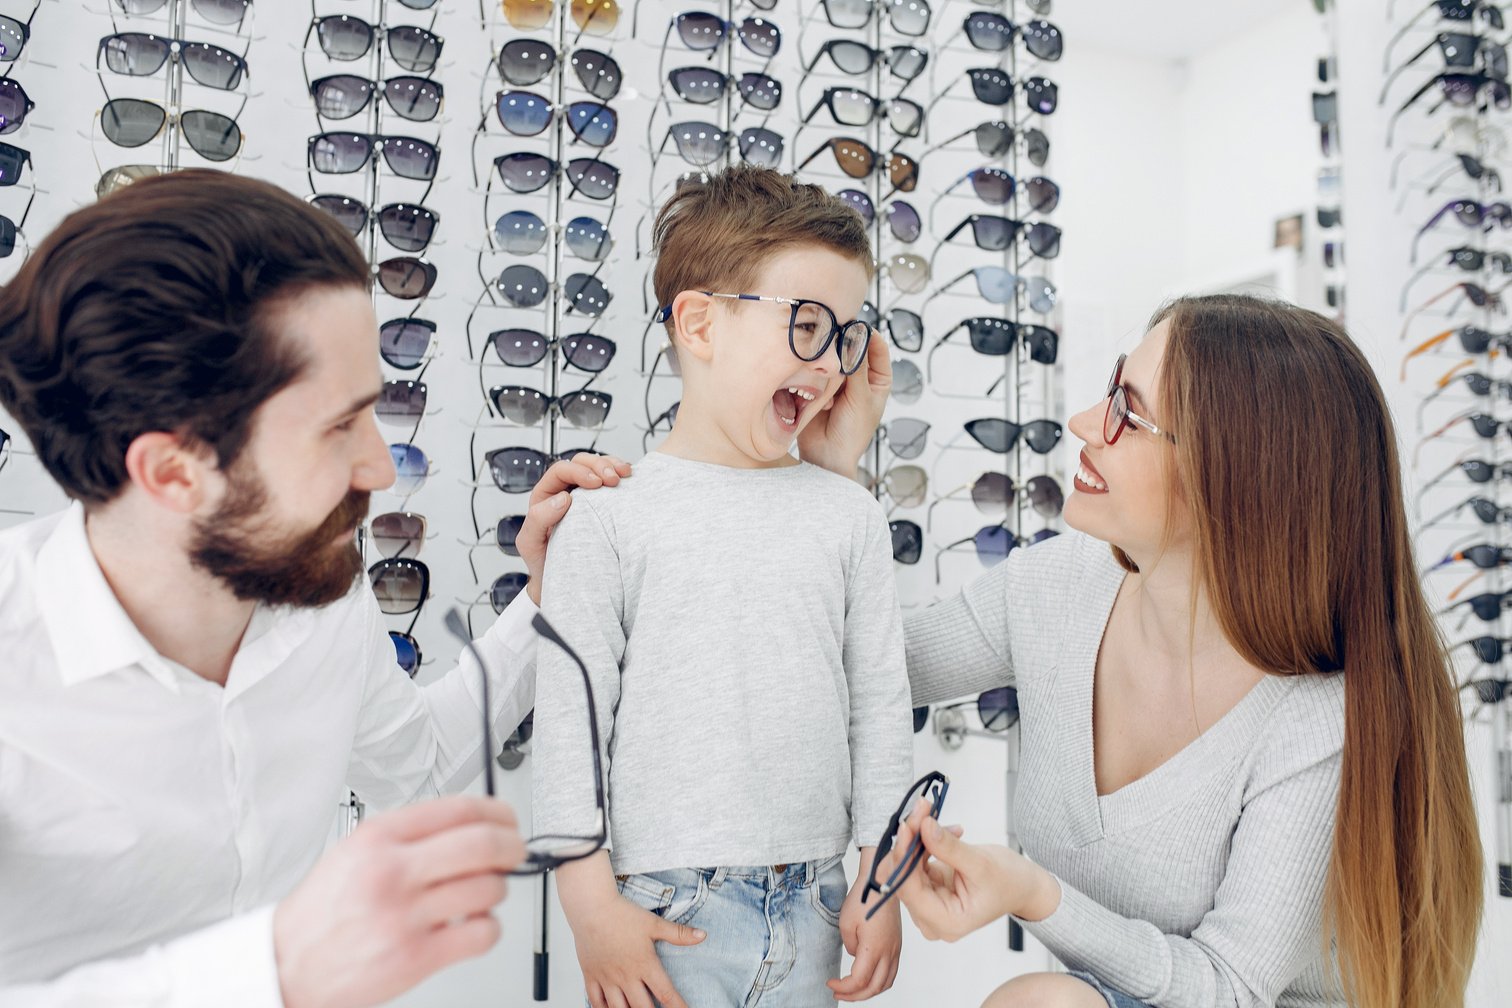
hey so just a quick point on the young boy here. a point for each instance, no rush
(738, 616)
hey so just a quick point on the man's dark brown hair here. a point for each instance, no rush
(157, 309)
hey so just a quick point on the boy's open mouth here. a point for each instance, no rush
(789, 403)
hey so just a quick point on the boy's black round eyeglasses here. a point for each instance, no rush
(812, 328)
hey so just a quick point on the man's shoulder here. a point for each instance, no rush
(19, 546)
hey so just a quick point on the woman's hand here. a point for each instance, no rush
(549, 502)
(960, 887)
(835, 439)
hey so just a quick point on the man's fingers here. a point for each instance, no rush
(470, 849)
(453, 943)
(415, 822)
(459, 899)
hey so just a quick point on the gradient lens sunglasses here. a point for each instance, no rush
(858, 160)
(907, 543)
(928, 793)
(397, 533)
(705, 85)
(1002, 286)
(997, 187)
(991, 32)
(345, 38)
(524, 113)
(406, 226)
(529, 407)
(907, 17)
(520, 232)
(220, 12)
(527, 348)
(1118, 416)
(904, 62)
(1462, 90)
(341, 153)
(341, 96)
(995, 87)
(850, 106)
(525, 61)
(542, 853)
(142, 54)
(994, 233)
(993, 336)
(812, 329)
(132, 122)
(411, 466)
(592, 17)
(525, 172)
(996, 138)
(406, 277)
(516, 469)
(1468, 212)
(702, 31)
(14, 35)
(405, 342)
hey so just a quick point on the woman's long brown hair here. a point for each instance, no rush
(1287, 461)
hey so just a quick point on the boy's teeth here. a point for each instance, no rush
(802, 394)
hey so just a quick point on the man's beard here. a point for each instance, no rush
(309, 570)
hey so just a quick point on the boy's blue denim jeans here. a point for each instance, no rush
(773, 931)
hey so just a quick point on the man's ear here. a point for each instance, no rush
(171, 474)
(693, 324)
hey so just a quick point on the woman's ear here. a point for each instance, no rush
(693, 325)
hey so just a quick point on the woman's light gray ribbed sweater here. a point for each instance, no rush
(1201, 883)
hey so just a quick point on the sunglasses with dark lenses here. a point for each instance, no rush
(905, 328)
(221, 12)
(995, 87)
(406, 652)
(401, 585)
(920, 718)
(529, 407)
(592, 17)
(14, 35)
(345, 38)
(142, 54)
(11, 230)
(1459, 50)
(992, 544)
(905, 437)
(997, 187)
(340, 153)
(405, 343)
(1488, 649)
(527, 348)
(705, 85)
(1461, 90)
(527, 287)
(999, 435)
(991, 32)
(908, 17)
(516, 470)
(132, 122)
(998, 708)
(542, 853)
(996, 138)
(702, 31)
(15, 105)
(1483, 508)
(406, 277)
(1486, 606)
(397, 533)
(994, 233)
(858, 160)
(907, 542)
(341, 96)
(524, 113)
(904, 62)
(406, 226)
(520, 232)
(928, 791)
(525, 172)
(526, 61)
(401, 402)
(996, 337)
(850, 106)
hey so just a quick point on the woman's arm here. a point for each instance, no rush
(959, 646)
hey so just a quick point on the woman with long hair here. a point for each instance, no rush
(1243, 777)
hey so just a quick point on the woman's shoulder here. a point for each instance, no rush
(1064, 564)
(1305, 727)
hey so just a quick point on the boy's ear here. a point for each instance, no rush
(693, 324)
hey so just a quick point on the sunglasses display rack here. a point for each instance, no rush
(1446, 91)
(1328, 213)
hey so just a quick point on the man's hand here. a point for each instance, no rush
(836, 437)
(550, 500)
(875, 944)
(407, 894)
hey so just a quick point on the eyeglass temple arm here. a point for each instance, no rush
(1398, 71)
(1386, 56)
(1391, 125)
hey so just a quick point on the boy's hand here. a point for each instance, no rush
(616, 948)
(836, 437)
(876, 943)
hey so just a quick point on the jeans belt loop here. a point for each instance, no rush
(717, 879)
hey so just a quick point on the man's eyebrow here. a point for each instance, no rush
(358, 406)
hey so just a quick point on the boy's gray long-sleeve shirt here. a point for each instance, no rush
(742, 632)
